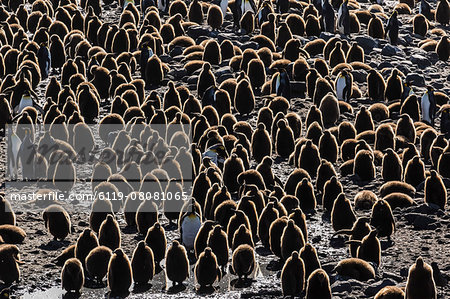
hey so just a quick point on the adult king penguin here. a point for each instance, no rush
(281, 84)
(344, 82)
(14, 143)
(392, 28)
(44, 59)
(344, 19)
(328, 16)
(428, 106)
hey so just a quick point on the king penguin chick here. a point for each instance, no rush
(435, 191)
(72, 276)
(57, 221)
(97, 263)
(156, 240)
(243, 261)
(119, 273)
(318, 285)
(206, 270)
(109, 233)
(293, 276)
(142, 264)
(177, 263)
(420, 283)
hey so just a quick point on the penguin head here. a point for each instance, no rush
(394, 14)
(430, 89)
(207, 251)
(118, 252)
(267, 161)
(175, 243)
(141, 245)
(419, 262)
(294, 255)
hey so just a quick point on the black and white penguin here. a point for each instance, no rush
(240, 8)
(26, 154)
(343, 83)
(328, 17)
(425, 9)
(190, 224)
(27, 100)
(281, 84)
(428, 106)
(44, 59)
(392, 28)
(146, 53)
(14, 143)
(344, 19)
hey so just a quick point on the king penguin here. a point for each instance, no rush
(14, 143)
(146, 53)
(44, 59)
(190, 224)
(328, 17)
(392, 28)
(425, 9)
(344, 19)
(27, 153)
(344, 82)
(428, 106)
(27, 101)
(281, 85)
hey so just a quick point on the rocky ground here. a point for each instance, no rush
(420, 230)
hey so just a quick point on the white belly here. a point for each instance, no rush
(223, 7)
(27, 102)
(246, 7)
(340, 85)
(190, 228)
(340, 26)
(425, 105)
(277, 84)
(161, 5)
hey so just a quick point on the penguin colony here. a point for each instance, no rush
(303, 93)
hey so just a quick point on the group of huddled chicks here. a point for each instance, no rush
(232, 205)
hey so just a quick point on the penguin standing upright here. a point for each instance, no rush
(344, 19)
(240, 8)
(163, 5)
(344, 82)
(283, 6)
(328, 17)
(190, 224)
(146, 53)
(445, 120)
(281, 84)
(425, 9)
(223, 7)
(27, 153)
(392, 28)
(14, 143)
(428, 106)
(44, 59)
